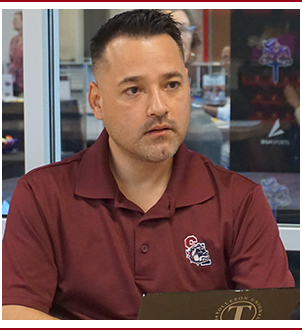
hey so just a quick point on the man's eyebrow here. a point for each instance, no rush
(130, 79)
(173, 74)
(136, 79)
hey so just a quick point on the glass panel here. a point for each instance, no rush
(265, 130)
(76, 29)
(12, 103)
(209, 73)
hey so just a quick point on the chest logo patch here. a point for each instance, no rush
(196, 251)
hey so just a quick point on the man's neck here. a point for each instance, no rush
(140, 181)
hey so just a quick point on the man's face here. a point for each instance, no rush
(143, 96)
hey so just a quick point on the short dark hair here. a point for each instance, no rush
(134, 23)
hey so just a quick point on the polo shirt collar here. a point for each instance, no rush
(95, 179)
(189, 183)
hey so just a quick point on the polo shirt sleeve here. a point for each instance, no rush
(258, 258)
(29, 274)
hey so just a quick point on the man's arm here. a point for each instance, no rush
(15, 312)
(29, 272)
(221, 112)
(258, 258)
(211, 110)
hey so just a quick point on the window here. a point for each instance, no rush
(12, 103)
(32, 122)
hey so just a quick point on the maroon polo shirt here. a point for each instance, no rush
(75, 247)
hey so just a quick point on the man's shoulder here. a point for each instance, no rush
(55, 171)
(221, 176)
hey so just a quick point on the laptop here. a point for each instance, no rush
(253, 304)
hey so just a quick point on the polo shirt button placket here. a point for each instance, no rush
(144, 248)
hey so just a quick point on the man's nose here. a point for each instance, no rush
(157, 105)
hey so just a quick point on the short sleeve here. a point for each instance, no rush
(29, 273)
(224, 112)
(258, 258)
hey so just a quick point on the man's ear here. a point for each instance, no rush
(94, 99)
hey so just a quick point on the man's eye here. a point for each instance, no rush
(173, 84)
(132, 90)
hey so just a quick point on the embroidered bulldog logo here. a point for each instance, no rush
(196, 251)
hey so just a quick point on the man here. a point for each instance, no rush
(137, 212)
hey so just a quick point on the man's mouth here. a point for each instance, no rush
(159, 129)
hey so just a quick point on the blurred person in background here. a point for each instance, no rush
(189, 36)
(15, 67)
